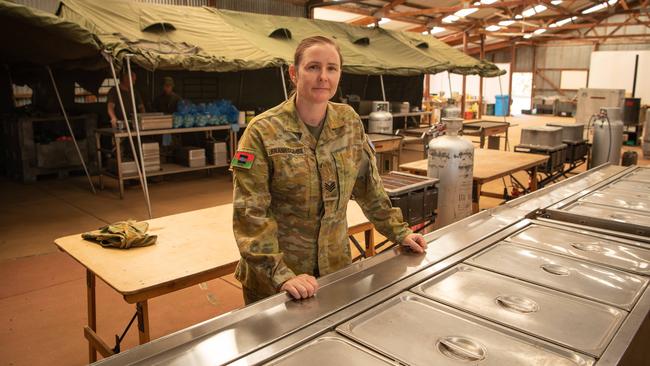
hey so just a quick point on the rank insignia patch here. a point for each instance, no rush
(330, 186)
(243, 160)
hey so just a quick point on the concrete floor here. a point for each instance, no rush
(42, 291)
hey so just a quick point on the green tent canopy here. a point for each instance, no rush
(164, 37)
(31, 36)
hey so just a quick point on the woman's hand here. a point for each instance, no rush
(301, 286)
(415, 242)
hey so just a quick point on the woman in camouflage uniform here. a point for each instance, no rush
(296, 167)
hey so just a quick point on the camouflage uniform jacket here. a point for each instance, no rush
(290, 205)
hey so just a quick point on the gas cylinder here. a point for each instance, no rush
(380, 121)
(451, 160)
(608, 137)
(450, 110)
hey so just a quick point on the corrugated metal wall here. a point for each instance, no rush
(274, 7)
(49, 6)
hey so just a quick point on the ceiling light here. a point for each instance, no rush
(556, 2)
(435, 30)
(562, 22)
(492, 28)
(383, 21)
(527, 35)
(505, 23)
(595, 8)
(612, 2)
(488, 2)
(534, 10)
(450, 19)
(477, 3)
(465, 12)
(539, 31)
(518, 16)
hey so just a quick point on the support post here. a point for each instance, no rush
(480, 87)
(67, 121)
(532, 88)
(513, 62)
(284, 83)
(464, 96)
(145, 186)
(128, 130)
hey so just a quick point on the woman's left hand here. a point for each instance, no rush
(415, 242)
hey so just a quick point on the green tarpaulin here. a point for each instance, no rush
(164, 37)
(31, 36)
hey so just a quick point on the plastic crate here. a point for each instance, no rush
(555, 162)
(415, 195)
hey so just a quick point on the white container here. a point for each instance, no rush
(591, 100)
(451, 160)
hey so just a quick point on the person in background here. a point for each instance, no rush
(296, 167)
(113, 103)
(167, 101)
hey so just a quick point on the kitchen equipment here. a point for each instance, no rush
(548, 314)
(591, 100)
(423, 332)
(331, 349)
(542, 136)
(566, 274)
(586, 246)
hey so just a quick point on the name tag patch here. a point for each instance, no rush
(285, 150)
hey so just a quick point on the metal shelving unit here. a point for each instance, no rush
(165, 168)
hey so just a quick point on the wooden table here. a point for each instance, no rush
(192, 247)
(490, 165)
(484, 129)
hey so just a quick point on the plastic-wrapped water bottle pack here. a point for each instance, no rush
(216, 113)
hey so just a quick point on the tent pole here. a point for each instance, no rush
(67, 121)
(383, 90)
(128, 129)
(284, 83)
(145, 185)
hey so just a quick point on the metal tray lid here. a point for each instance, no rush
(592, 248)
(331, 349)
(610, 213)
(577, 323)
(566, 274)
(627, 193)
(418, 331)
(631, 185)
(396, 183)
(618, 200)
(639, 175)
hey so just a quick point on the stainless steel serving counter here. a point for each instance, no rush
(573, 295)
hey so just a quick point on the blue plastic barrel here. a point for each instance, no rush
(501, 105)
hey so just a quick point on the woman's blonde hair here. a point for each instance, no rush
(312, 41)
